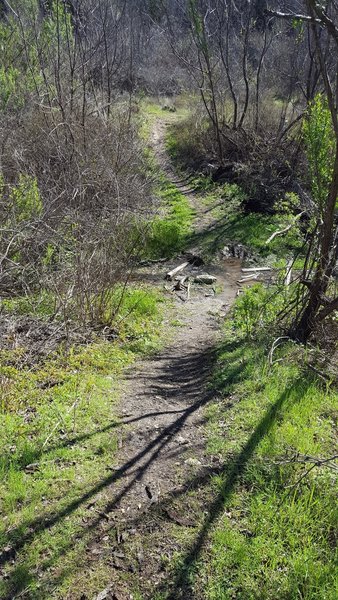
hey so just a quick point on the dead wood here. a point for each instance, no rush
(253, 269)
(171, 274)
(285, 230)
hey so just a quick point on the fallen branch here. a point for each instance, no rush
(285, 230)
(151, 261)
(274, 346)
(253, 269)
(325, 376)
(317, 462)
(247, 278)
(305, 458)
(291, 16)
(171, 274)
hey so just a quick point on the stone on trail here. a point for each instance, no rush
(205, 278)
(192, 462)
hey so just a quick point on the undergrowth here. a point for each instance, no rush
(225, 203)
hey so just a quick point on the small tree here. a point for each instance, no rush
(324, 169)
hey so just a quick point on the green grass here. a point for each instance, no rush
(151, 110)
(253, 230)
(272, 537)
(169, 234)
(38, 305)
(231, 223)
(58, 440)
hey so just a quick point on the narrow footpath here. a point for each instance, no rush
(162, 448)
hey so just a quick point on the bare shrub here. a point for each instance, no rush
(92, 190)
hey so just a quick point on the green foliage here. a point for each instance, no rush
(195, 17)
(26, 199)
(253, 229)
(9, 78)
(19, 71)
(165, 239)
(38, 305)
(257, 307)
(169, 234)
(184, 141)
(57, 27)
(198, 27)
(23, 54)
(320, 146)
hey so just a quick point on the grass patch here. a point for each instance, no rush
(169, 234)
(41, 305)
(58, 441)
(253, 230)
(230, 223)
(272, 534)
(169, 230)
(184, 141)
(274, 539)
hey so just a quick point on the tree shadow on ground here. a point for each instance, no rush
(212, 237)
(199, 365)
(181, 586)
(190, 372)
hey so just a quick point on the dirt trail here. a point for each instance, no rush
(164, 399)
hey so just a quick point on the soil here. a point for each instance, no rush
(163, 407)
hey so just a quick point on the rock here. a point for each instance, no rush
(106, 593)
(192, 462)
(181, 440)
(235, 251)
(205, 278)
(169, 108)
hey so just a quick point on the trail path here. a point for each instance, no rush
(163, 405)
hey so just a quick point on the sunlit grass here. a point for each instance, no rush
(275, 539)
(58, 443)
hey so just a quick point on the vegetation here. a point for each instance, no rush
(273, 530)
(90, 212)
(59, 440)
(168, 235)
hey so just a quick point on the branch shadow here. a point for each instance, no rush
(181, 587)
(232, 470)
(73, 441)
(191, 373)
